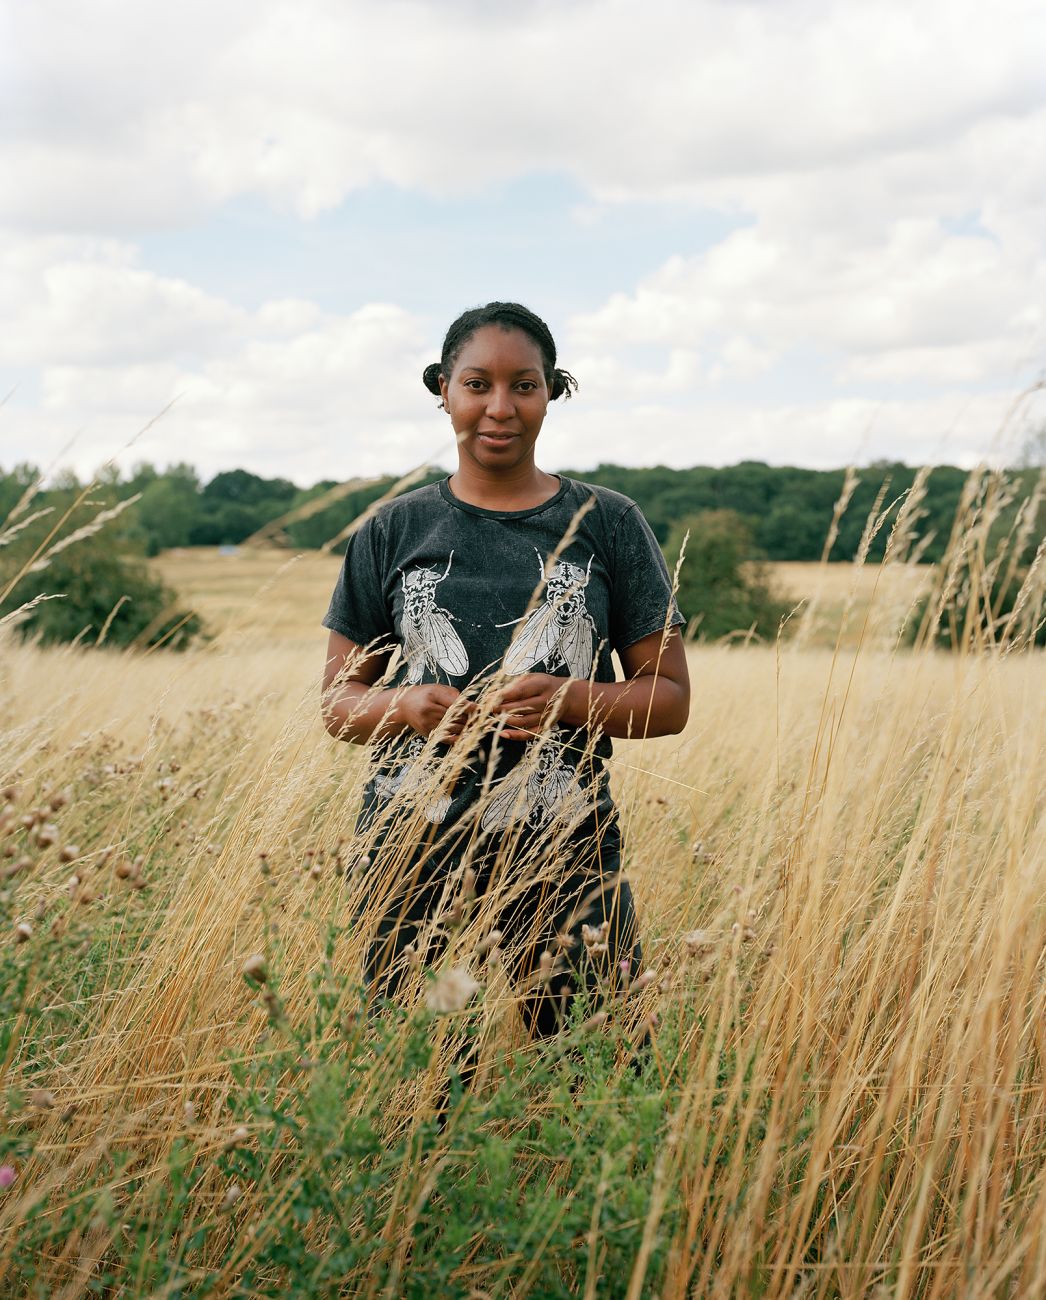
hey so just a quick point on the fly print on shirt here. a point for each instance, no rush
(560, 632)
(429, 638)
(541, 788)
(411, 778)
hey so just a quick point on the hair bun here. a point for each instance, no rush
(563, 384)
(430, 378)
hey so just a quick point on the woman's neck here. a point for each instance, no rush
(516, 489)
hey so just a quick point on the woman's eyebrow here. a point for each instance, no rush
(480, 370)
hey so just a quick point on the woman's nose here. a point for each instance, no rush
(500, 405)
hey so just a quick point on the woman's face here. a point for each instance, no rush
(496, 398)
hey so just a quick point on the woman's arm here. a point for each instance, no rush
(653, 700)
(353, 710)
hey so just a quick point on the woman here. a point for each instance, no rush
(473, 621)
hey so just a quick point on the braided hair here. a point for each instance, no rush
(510, 316)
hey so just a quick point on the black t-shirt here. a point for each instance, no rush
(460, 592)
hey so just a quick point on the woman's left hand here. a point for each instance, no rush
(526, 703)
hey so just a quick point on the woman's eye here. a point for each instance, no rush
(527, 386)
(475, 384)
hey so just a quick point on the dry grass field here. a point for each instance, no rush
(839, 874)
(256, 591)
(255, 587)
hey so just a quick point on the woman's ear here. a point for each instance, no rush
(444, 392)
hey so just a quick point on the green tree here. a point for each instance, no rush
(236, 504)
(169, 510)
(724, 587)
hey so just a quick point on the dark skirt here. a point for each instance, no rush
(573, 927)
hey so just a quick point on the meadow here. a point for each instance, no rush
(846, 605)
(839, 872)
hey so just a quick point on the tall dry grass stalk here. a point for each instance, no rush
(839, 875)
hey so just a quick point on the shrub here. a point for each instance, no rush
(724, 587)
(94, 583)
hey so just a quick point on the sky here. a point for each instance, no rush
(803, 232)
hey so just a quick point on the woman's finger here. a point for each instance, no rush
(531, 720)
(531, 704)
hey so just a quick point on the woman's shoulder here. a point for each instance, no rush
(404, 508)
(612, 505)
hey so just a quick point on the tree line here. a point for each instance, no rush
(737, 518)
(787, 509)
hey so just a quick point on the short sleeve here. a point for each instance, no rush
(642, 600)
(358, 609)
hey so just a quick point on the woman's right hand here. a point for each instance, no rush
(434, 709)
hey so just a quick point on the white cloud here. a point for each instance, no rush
(121, 114)
(83, 301)
(917, 304)
(952, 427)
(300, 391)
(886, 161)
(294, 390)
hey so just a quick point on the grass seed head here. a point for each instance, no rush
(47, 835)
(23, 932)
(594, 937)
(232, 1195)
(489, 941)
(42, 1099)
(68, 852)
(237, 1137)
(255, 969)
(698, 941)
(452, 991)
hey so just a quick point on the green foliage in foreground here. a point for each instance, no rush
(502, 1192)
(299, 1186)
